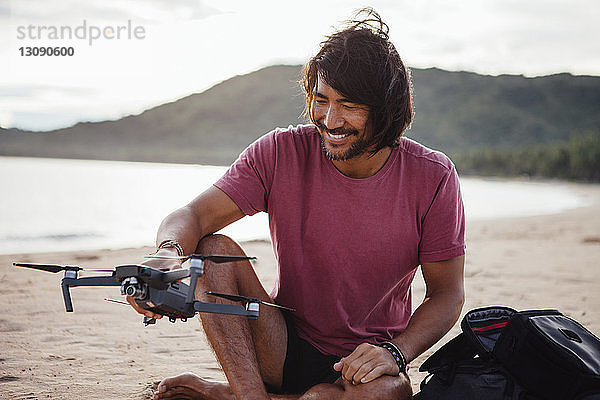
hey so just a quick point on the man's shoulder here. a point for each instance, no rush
(299, 139)
(283, 146)
(294, 134)
(423, 155)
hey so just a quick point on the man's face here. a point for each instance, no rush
(342, 124)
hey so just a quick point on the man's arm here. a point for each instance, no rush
(444, 298)
(210, 211)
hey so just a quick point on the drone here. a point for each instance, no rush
(161, 292)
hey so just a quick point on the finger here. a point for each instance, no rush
(375, 373)
(133, 304)
(140, 310)
(364, 369)
(358, 352)
(338, 365)
(351, 371)
(363, 354)
(347, 361)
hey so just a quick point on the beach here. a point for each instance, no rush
(103, 351)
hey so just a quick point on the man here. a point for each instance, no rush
(354, 209)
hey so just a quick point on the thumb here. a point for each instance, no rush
(338, 365)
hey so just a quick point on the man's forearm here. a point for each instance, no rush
(429, 323)
(206, 214)
(183, 226)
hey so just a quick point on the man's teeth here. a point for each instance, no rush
(338, 136)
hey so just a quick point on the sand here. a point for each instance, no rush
(103, 351)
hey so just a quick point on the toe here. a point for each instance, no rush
(168, 385)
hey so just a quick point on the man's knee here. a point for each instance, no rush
(383, 388)
(218, 244)
(224, 276)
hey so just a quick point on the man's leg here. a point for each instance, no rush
(253, 352)
(189, 386)
(250, 352)
(382, 388)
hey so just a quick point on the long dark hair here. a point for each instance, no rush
(363, 65)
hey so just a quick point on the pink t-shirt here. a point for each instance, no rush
(348, 248)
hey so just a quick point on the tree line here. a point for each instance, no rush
(576, 159)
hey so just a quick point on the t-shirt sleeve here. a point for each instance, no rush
(248, 181)
(443, 226)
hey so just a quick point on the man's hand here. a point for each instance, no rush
(161, 264)
(366, 363)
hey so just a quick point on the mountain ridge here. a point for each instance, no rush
(455, 111)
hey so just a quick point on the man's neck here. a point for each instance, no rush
(364, 165)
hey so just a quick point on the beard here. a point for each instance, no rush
(357, 148)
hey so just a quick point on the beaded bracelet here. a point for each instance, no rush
(397, 354)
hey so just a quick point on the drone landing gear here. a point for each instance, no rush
(151, 321)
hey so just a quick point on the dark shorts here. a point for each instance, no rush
(304, 366)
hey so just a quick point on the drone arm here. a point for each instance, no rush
(92, 281)
(230, 309)
(196, 270)
(85, 281)
(175, 275)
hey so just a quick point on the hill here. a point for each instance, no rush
(455, 111)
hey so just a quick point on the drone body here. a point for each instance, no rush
(159, 291)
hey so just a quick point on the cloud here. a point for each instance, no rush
(192, 44)
(16, 91)
(44, 121)
(186, 9)
(62, 11)
(6, 119)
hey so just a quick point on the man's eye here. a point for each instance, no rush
(349, 107)
(320, 102)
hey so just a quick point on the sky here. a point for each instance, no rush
(131, 55)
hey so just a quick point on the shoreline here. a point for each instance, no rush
(102, 350)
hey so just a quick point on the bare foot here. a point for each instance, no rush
(192, 387)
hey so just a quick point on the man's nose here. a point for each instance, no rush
(333, 118)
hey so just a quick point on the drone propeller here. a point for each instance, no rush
(211, 257)
(235, 297)
(57, 268)
(116, 301)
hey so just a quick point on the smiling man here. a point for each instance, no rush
(354, 208)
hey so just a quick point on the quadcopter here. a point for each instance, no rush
(159, 291)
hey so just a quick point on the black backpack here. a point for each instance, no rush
(505, 354)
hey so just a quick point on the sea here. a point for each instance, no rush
(61, 205)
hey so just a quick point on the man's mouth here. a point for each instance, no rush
(340, 136)
(337, 134)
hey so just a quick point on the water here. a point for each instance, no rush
(490, 198)
(56, 204)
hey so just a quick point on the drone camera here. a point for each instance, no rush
(133, 288)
